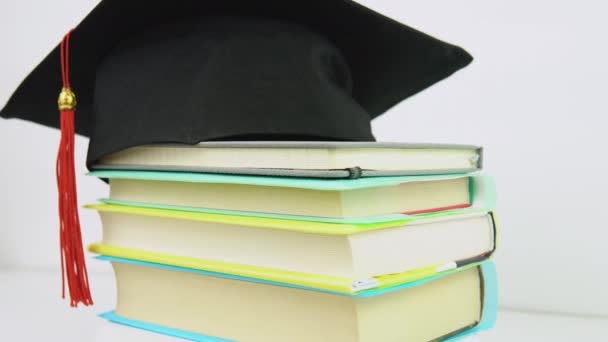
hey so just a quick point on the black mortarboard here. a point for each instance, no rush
(187, 71)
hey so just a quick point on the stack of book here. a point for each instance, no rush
(305, 241)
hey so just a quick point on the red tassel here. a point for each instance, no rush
(73, 266)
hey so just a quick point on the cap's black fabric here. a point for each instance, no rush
(221, 78)
(186, 71)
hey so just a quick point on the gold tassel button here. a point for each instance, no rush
(67, 99)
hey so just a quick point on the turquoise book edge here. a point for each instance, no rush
(490, 303)
(183, 334)
(288, 182)
(488, 319)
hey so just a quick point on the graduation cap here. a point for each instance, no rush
(188, 71)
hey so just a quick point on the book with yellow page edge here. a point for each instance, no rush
(342, 257)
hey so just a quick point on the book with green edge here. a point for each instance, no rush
(344, 199)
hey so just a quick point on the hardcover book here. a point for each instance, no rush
(221, 307)
(299, 158)
(345, 198)
(344, 253)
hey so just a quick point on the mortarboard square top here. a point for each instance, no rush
(189, 71)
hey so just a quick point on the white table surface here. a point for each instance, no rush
(31, 310)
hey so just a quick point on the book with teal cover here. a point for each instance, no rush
(488, 318)
(287, 182)
(482, 192)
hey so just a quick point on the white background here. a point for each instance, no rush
(535, 97)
